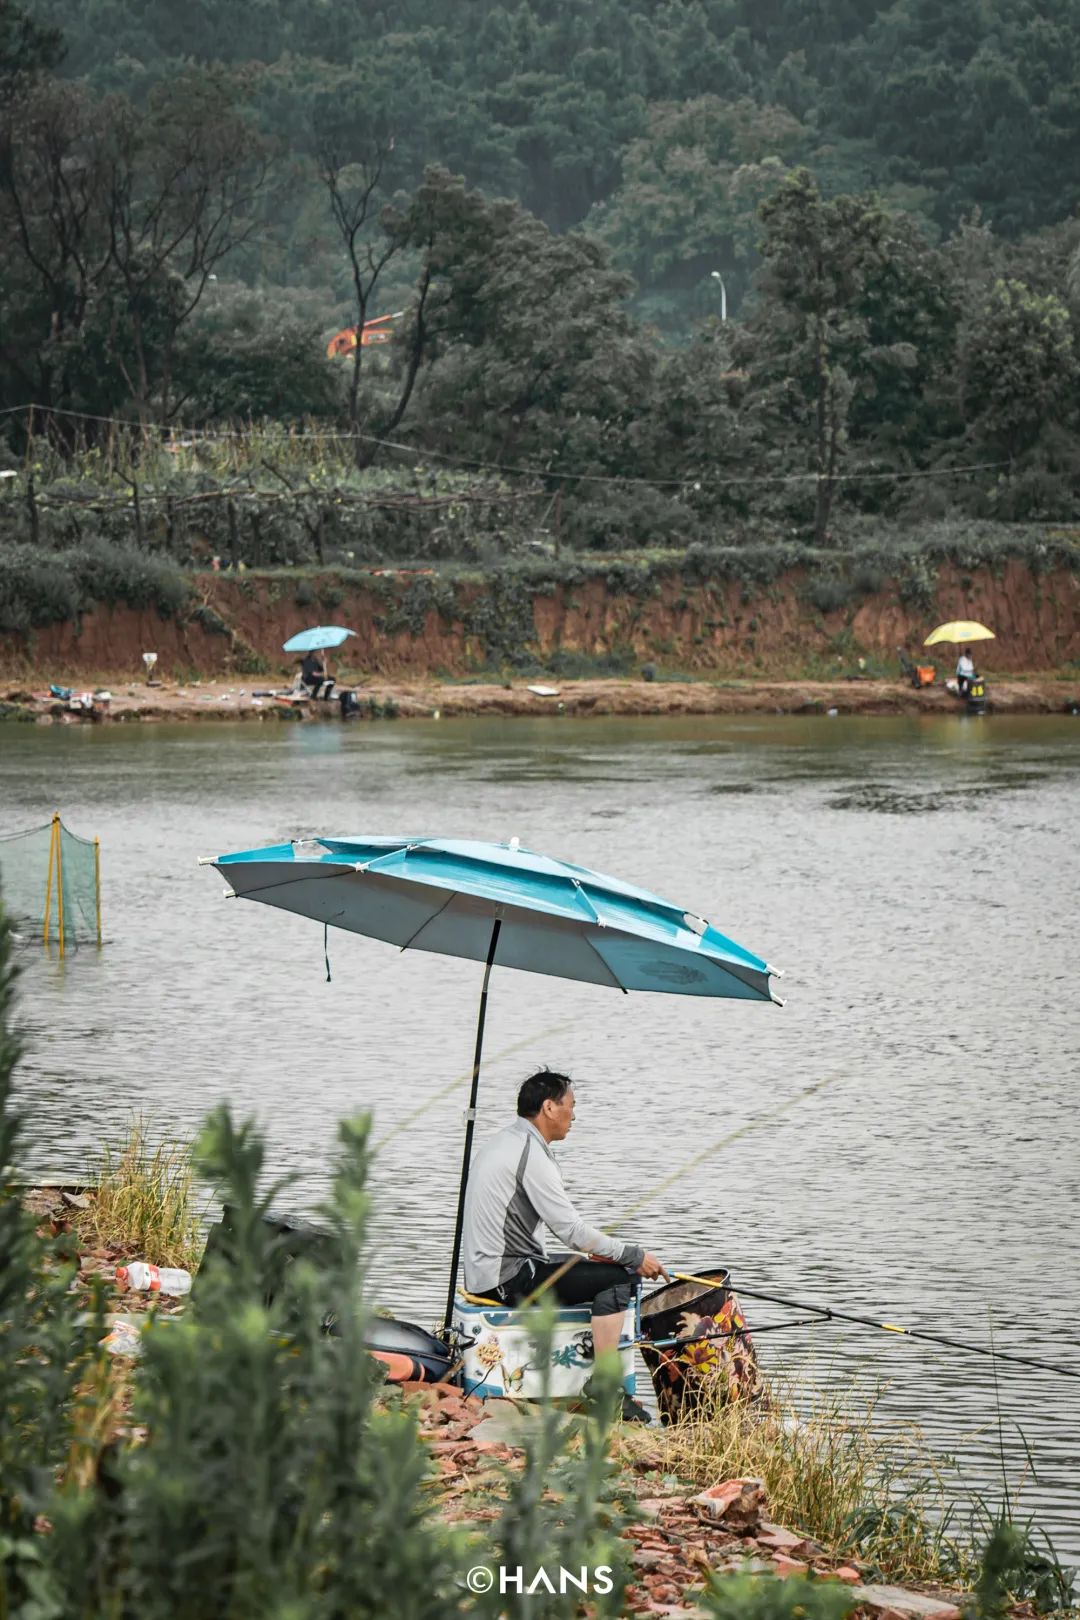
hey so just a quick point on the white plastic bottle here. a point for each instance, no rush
(156, 1279)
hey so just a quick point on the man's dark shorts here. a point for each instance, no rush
(605, 1287)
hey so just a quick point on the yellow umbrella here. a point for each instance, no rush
(959, 630)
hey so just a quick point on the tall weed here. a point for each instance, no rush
(828, 1472)
(145, 1202)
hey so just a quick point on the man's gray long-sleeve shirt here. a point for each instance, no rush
(514, 1189)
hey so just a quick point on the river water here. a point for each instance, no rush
(917, 879)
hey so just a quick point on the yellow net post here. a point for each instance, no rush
(97, 885)
(59, 887)
(54, 844)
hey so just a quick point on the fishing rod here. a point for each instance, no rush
(827, 1314)
(722, 1333)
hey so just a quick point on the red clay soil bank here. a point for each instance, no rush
(721, 629)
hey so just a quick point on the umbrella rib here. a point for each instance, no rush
(387, 855)
(616, 981)
(433, 918)
(585, 898)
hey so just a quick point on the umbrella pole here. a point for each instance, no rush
(470, 1123)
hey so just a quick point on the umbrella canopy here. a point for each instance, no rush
(315, 639)
(445, 895)
(959, 630)
(505, 906)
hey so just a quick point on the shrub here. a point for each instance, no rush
(828, 592)
(41, 588)
(120, 574)
(269, 1477)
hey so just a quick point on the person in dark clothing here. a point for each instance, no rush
(314, 675)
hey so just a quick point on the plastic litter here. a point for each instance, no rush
(154, 1279)
(122, 1339)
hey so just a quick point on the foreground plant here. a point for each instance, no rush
(255, 1474)
(560, 1516)
(46, 1352)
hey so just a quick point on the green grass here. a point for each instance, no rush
(829, 1473)
(145, 1204)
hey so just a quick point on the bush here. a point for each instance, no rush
(41, 588)
(829, 592)
(271, 1478)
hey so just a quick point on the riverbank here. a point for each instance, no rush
(447, 700)
(682, 1529)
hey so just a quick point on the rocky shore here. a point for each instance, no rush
(429, 699)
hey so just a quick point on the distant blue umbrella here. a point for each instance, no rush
(323, 635)
(499, 904)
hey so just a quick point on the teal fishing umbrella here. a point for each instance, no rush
(315, 639)
(504, 906)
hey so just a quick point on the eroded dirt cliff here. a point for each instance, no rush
(418, 624)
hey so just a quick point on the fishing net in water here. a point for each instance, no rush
(50, 885)
(697, 1346)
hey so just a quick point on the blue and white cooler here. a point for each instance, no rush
(501, 1360)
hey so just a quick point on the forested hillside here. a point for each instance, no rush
(687, 267)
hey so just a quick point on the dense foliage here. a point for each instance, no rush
(562, 201)
(249, 1467)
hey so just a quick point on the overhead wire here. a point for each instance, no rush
(690, 482)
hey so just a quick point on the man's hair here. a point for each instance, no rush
(538, 1088)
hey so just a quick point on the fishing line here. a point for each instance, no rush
(726, 1141)
(691, 1164)
(466, 1076)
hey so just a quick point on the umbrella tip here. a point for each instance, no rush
(515, 845)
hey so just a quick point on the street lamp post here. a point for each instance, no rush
(723, 293)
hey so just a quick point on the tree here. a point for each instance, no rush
(691, 188)
(53, 183)
(824, 333)
(353, 144)
(248, 355)
(184, 175)
(535, 356)
(25, 45)
(1018, 372)
(115, 217)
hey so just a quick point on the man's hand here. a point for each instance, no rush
(650, 1267)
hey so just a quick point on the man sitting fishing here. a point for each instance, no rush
(514, 1188)
(315, 678)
